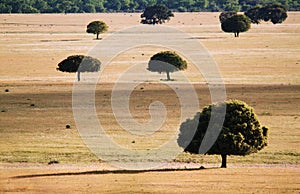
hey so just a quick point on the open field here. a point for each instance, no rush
(262, 68)
(233, 180)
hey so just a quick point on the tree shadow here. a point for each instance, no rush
(167, 80)
(63, 40)
(104, 172)
(205, 38)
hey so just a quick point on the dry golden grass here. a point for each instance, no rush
(234, 180)
(261, 68)
(32, 45)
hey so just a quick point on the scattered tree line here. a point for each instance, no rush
(162, 62)
(272, 12)
(92, 6)
(241, 133)
(232, 22)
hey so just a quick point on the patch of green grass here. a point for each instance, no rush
(82, 156)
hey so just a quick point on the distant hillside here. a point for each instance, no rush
(91, 6)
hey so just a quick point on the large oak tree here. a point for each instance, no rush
(241, 133)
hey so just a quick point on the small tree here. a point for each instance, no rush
(241, 133)
(156, 14)
(166, 62)
(97, 27)
(225, 15)
(79, 63)
(236, 24)
(272, 12)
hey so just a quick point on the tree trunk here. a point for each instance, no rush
(97, 36)
(168, 76)
(78, 76)
(224, 161)
(238, 34)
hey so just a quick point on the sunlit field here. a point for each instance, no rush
(261, 67)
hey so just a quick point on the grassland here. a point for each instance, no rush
(261, 67)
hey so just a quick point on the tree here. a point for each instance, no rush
(89, 8)
(76, 6)
(156, 14)
(225, 15)
(236, 24)
(97, 27)
(79, 63)
(229, 5)
(241, 133)
(65, 6)
(113, 5)
(166, 61)
(254, 15)
(272, 12)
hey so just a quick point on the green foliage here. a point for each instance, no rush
(228, 5)
(254, 15)
(79, 63)
(241, 132)
(225, 15)
(273, 12)
(97, 27)
(236, 24)
(90, 6)
(166, 62)
(156, 14)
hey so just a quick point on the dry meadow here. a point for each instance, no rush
(262, 68)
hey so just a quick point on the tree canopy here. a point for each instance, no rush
(156, 14)
(241, 133)
(236, 24)
(273, 12)
(166, 62)
(91, 6)
(97, 27)
(254, 15)
(225, 15)
(79, 63)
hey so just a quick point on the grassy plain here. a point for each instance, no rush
(261, 67)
